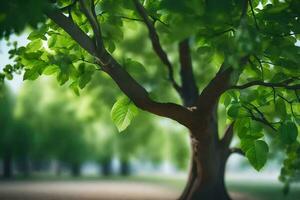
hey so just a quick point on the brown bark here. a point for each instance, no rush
(189, 91)
(206, 180)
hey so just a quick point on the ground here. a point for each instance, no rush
(130, 188)
(89, 190)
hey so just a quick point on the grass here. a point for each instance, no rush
(265, 190)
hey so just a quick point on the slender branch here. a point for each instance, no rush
(126, 83)
(189, 87)
(73, 30)
(290, 102)
(237, 150)
(88, 9)
(223, 32)
(259, 112)
(252, 10)
(156, 43)
(283, 84)
(285, 99)
(129, 18)
(228, 135)
(260, 65)
(282, 35)
(141, 98)
(262, 120)
(155, 19)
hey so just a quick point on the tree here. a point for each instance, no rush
(59, 133)
(6, 127)
(252, 70)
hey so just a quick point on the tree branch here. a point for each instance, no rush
(260, 119)
(283, 84)
(189, 87)
(228, 135)
(252, 11)
(237, 150)
(141, 98)
(126, 83)
(216, 87)
(73, 30)
(156, 43)
(261, 67)
(88, 8)
(211, 93)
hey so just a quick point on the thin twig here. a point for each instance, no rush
(261, 120)
(261, 67)
(252, 10)
(283, 84)
(156, 43)
(237, 150)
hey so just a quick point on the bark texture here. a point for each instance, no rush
(209, 156)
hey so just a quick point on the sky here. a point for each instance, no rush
(16, 83)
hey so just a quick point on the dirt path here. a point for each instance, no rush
(88, 190)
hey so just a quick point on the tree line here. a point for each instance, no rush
(37, 129)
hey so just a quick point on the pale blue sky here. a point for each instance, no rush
(16, 83)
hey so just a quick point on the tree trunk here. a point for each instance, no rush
(75, 170)
(23, 166)
(106, 168)
(7, 165)
(125, 168)
(206, 178)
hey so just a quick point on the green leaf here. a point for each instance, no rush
(227, 100)
(85, 79)
(51, 69)
(74, 87)
(62, 78)
(52, 41)
(34, 45)
(233, 111)
(36, 35)
(246, 144)
(30, 74)
(288, 132)
(258, 154)
(280, 108)
(248, 96)
(122, 113)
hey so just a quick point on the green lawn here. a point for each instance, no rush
(265, 190)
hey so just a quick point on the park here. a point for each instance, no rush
(150, 99)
